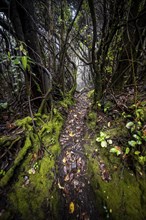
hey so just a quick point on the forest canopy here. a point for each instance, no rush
(42, 42)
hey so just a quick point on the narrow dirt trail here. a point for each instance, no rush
(77, 197)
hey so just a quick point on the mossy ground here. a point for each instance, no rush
(31, 181)
(124, 196)
(33, 191)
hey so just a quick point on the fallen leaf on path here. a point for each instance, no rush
(71, 176)
(65, 169)
(79, 161)
(71, 207)
(66, 177)
(109, 124)
(71, 134)
(64, 160)
(78, 171)
(60, 187)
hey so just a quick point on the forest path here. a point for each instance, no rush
(77, 196)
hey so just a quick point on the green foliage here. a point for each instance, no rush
(16, 65)
(104, 139)
(137, 132)
(34, 185)
(123, 181)
(67, 101)
(24, 60)
(116, 150)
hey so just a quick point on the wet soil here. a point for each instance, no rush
(77, 196)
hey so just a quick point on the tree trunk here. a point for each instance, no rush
(23, 19)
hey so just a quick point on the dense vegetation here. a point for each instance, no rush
(44, 44)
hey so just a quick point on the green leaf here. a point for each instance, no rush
(133, 128)
(9, 55)
(109, 141)
(137, 152)
(129, 124)
(139, 114)
(21, 47)
(16, 61)
(103, 144)
(127, 150)
(128, 116)
(24, 62)
(102, 134)
(115, 150)
(55, 111)
(98, 139)
(132, 143)
(139, 142)
(142, 160)
(136, 137)
(24, 52)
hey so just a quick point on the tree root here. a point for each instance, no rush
(28, 143)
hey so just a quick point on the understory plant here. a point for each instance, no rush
(134, 145)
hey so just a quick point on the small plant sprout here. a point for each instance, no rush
(104, 139)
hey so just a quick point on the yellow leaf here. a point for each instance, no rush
(78, 171)
(71, 134)
(71, 207)
(64, 160)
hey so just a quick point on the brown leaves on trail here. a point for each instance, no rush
(103, 170)
(72, 164)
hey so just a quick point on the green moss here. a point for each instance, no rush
(34, 199)
(8, 140)
(17, 161)
(92, 118)
(124, 196)
(25, 123)
(67, 101)
(28, 199)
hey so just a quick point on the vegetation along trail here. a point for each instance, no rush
(77, 195)
(66, 153)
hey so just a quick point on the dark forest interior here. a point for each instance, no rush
(73, 109)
